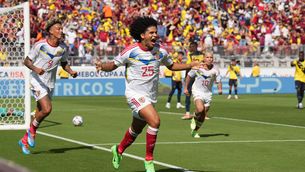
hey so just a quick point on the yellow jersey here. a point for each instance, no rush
(299, 75)
(195, 56)
(167, 72)
(177, 76)
(234, 72)
(62, 73)
(255, 71)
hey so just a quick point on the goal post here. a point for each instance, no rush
(15, 96)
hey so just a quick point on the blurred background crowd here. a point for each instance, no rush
(243, 29)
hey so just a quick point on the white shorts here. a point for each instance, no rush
(137, 102)
(40, 90)
(205, 97)
(103, 45)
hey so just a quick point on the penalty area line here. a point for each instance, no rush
(109, 150)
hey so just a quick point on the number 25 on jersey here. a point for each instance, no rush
(147, 71)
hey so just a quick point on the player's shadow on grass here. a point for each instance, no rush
(63, 150)
(215, 134)
(177, 170)
(48, 123)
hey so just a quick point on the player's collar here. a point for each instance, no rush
(142, 47)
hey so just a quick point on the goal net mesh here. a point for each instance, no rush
(14, 86)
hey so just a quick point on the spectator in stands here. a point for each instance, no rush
(88, 56)
(103, 41)
(255, 70)
(299, 78)
(71, 37)
(185, 20)
(81, 51)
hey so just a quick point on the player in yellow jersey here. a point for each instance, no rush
(255, 70)
(176, 84)
(234, 73)
(299, 78)
(193, 55)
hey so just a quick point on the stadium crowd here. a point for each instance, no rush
(98, 27)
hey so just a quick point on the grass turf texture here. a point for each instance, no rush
(233, 140)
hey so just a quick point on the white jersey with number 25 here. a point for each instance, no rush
(142, 69)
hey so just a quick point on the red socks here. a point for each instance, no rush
(151, 138)
(129, 138)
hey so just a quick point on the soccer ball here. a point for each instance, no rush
(77, 120)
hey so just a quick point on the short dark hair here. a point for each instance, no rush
(139, 26)
(52, 23)
(194, 43)
(181, 52)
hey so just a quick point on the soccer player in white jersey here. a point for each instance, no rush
(142, 61)
(205, 76)
(43, 60)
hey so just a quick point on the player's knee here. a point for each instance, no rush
(155, 123)
(47, 110)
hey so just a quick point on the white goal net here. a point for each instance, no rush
(15, 98)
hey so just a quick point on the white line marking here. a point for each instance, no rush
(260, 122)
(109, 150)
(242, 120)
(211, 142)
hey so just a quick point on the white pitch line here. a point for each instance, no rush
(211, 142)
(109, 150)
(260, 122)
(242, 120)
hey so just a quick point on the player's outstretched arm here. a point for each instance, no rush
(107, 66)
(179, 66)
(29, 64)
(67, 68)
(187, 82)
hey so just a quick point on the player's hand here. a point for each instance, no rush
(74, 74)
(98, 66)
(39, 71)
(195, 64)
(186, 92)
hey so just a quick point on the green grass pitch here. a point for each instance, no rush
(263, 133)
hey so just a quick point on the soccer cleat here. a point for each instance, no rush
(168, 105)
(187, 116)
(31, 139)
(236, 96)
(229, 97)
(24, 147)
(116, 157)
(193, 124)
(149, 166)
(195, 134)
(300, 106)
(207, 118)
(179, 105)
